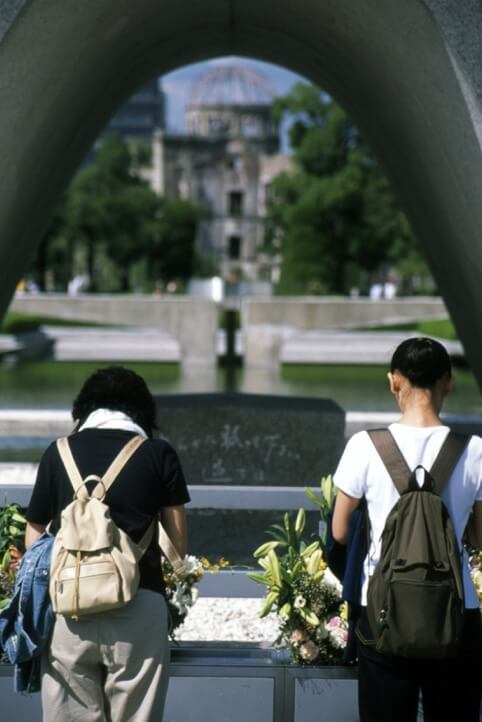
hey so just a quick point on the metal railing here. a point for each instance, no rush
(16, 484)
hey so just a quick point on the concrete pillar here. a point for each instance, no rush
(192, 321)
(268, 322)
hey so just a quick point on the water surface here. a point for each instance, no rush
(51, 384)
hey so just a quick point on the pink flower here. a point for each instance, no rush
(338, 631)
(297, 636)
(309, 651)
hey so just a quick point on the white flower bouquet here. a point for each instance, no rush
(181, 589)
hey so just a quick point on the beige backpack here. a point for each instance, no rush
(94, 563)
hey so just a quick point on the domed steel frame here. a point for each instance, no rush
(231, 84)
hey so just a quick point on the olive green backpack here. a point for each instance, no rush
(415, 599)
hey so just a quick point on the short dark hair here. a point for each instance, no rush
(422, 361)
(118, 389)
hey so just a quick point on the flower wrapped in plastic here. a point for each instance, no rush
(181, 588)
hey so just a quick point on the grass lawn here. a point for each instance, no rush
(440, 328)
(14, 323)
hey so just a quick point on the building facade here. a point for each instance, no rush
(141, 115)
(226, 161)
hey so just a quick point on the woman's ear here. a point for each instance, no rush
(394, 382)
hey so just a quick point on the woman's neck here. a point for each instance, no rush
(420, 417)
(420, 408)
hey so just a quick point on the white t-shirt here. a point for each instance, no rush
(361, 473)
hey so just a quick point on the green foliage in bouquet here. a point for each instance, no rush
(12, 533)
(302, 591)
(324, 504)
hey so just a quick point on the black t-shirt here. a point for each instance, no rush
(152, 479)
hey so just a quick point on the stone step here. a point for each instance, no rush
(112, 344)
(325, 347)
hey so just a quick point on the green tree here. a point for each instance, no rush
(110, 212)
(172, 254)
(337, 216)
(108, 203)
(52, 263)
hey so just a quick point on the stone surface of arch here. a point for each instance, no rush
(408, 72)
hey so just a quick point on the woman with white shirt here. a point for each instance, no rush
(389, 686)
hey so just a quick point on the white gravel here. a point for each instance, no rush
(228, 619)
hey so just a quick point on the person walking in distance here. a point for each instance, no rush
(389, 684)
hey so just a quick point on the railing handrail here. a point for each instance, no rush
(226, 583)
(17, 479)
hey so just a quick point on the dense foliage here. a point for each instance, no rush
(336, 216)
(113, 228)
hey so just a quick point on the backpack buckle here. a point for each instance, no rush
(428, 480)
(95, 494)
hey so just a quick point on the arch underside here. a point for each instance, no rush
(397, 67)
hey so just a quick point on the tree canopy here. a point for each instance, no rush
(172, 252)
(109, 216)
(338, 219)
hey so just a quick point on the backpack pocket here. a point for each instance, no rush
(90, 586)
(420, 620)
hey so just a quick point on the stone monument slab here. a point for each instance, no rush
(252, 438)
(249, 439)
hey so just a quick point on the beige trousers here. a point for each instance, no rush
(112, 665)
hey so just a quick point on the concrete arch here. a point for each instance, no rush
(408, 72)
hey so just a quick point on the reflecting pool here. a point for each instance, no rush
(50, 384)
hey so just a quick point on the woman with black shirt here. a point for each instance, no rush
(113, 665)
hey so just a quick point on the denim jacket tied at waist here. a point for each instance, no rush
(26, 623)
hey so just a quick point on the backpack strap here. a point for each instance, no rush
(75, 477)
(447, 458)
(392, 457)
(111, 475)
(398, 469)
(117, 465)
(107, 479)
(169, 550)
